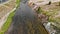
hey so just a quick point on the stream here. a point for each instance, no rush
(25, 21)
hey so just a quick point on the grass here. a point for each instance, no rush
(17, 3)
(53, 13)
(9, 20)
(7, 23)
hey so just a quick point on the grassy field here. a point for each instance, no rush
(9, 20)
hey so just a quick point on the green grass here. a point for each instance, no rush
(7, 23)
(39, 10)
(17, 3)
(9, 20)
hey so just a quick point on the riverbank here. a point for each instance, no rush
(9, 19)
(48, 14)
(4, 10)
(7, 23)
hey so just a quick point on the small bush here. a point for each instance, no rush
(39, 10)
(59, 3)
(49, 3)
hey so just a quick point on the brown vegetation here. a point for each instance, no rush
(5, 8)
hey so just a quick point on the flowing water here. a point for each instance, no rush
(25, 21)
